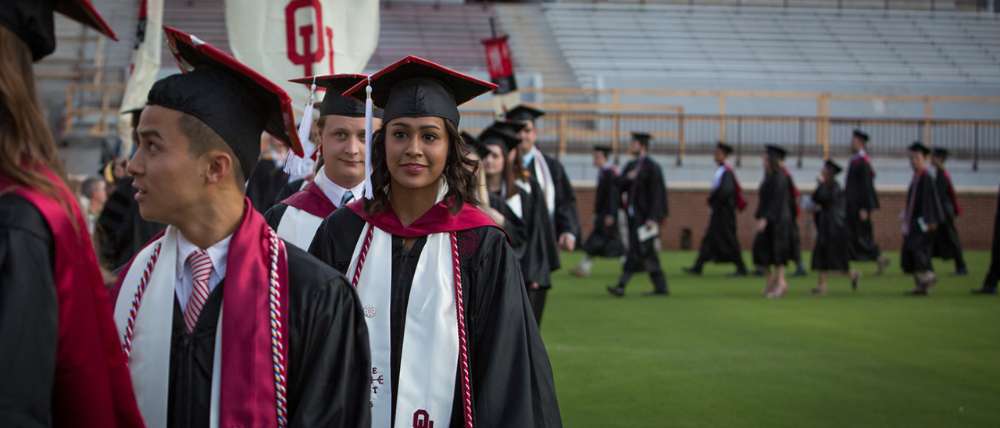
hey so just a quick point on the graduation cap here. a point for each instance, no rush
(416, 87)
(919, 147)
(776, 151)
(603, 148)
(503, 134)
(523, 113)
(940, 152)
(32, 21)
(833, 167)
(334, 102)
(230, 98)
(726, 148)
(642, 137)
(859, 134)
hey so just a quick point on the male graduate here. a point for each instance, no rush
(921, 217)
(604, 239)
(720, 243)
(861, 202)
(223, 323)
(268, 178)
(646, 207)
(341, 178)
(560, 200)
(946, 243)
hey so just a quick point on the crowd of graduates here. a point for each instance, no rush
(399, 281)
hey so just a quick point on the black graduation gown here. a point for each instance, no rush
(721, 243)
(121, 231)
(922, 199)
(541, 254)
(511, 376)
(993, 275)
(517, 233)
(830, 251)
(605, 240)
(946, 241)
(28, 314)
(266, 183)
(646, 199)
(565, 219)
(289, 189)
(794, 206)
(328, 359)
(774, 245)
(859, 191)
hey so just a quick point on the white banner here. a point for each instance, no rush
(285, 39)
(145, 65)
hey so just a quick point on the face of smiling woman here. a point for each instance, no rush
(416, 150)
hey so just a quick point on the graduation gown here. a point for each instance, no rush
(922, 208)
(830, 250)
(290, 189)
(993, 275)
(266, 182)
(565, 219)
(121, 231)
(312, 203)
(541, 254)
(721, 243)
(859, 191)
(646, 199)
(514, 225)
(510, 372)
(774, 245)
(946, 241)
(605, 240)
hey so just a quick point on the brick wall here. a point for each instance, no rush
(688, 210)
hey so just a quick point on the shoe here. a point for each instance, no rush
(738, 273)
(985, 292)
(917, 292)
(882, 263)
(692, 271)
(818, 292)
(661, 293)
(961, 272)
(855, 278)
(579, 272)
(616, 291)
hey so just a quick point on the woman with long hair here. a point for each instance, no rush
(63, 363)
(452, 338)
(772, 246)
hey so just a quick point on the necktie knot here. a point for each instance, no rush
(347, 198)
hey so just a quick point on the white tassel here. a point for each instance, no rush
(298, 167)
(369, 194)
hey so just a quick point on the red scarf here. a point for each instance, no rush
(864, 158)
(311, 200)
(741, 202)
(92, 384)
(438, 219)
(951, 193)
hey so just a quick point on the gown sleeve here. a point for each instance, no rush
(869, 199)
(764, 196)
(512, 377)
(28, 315)
(566, 220)
(273, 215)
(659, 209)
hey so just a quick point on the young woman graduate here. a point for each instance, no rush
(453, 340)
(494, 148)
(920, 219)
(831, 251)
(61, 358)
(225, 324)
(772, 246)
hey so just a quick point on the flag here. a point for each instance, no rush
(143, 69)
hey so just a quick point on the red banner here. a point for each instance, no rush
(499, 64)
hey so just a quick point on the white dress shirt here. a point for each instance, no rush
(185, 285)
(717, 180)
(333, 191)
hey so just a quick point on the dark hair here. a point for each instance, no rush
(203, 139)
(459, 172)
(773, 164)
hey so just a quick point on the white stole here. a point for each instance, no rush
(544, 177)
(298, 227)
(149, 362)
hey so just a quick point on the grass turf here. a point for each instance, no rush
(717, 354)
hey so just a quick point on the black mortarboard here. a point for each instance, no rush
(32, 21)
(503, 134)
(940, 152)
(919, 147)
(603, 148)
(334, 102)
(861, 135)
(642, 137)
(523, 113)
(726, 148)
(416, 87)
(776, 151)
(230, 98)
(832, 166)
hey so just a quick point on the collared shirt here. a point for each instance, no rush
(333, 191)
(217, 253)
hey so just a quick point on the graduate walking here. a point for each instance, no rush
(830, 250)
(721, 244)
(645, 195)
(223, 323)
(947, 245)
(773, 244)
(452, 336)
(921, 217)
(604, 239)
(61, 356)
(862, 201)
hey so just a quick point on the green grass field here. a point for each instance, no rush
(717, 354)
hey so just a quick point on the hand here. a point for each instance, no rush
(931, 227)
(761, 224)
(863, 215)
(650, 224)
(567, 241)
(632, 174)
(534, 286)
(609, 221)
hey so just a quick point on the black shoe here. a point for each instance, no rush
(985, 291)
(655, 293)
(692, 271)
(616, 291)
(961, 272)
(738, 273)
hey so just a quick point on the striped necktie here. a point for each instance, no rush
(347, 198)
(201, 269)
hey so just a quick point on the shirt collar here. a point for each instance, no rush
(217, 253)
(333, 191)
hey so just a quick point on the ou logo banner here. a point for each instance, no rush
(308, 42)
